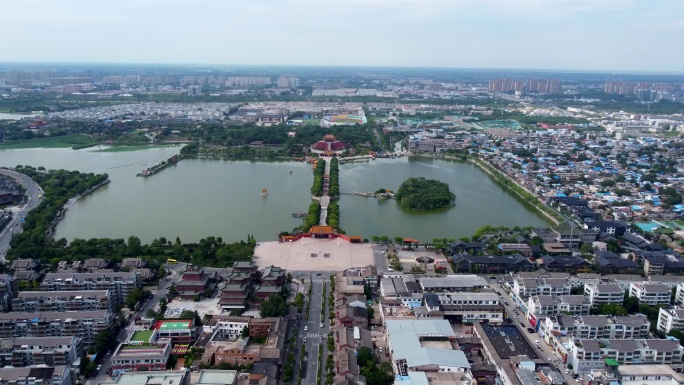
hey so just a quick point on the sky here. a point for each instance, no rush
(605, 35)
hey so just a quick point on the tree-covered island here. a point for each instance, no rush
(424, 194)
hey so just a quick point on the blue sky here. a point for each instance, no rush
(631, 35)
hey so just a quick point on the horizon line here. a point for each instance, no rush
(599, 71)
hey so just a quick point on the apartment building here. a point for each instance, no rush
(120, 284)
(670, 319)
(50, 351)
(142, 356)
(679, 294)
(466, 307)
(541, 306)
(35, 301)
(590, 354)
(604, 294)
(648, 294)
(82, 324)
(528, 287)
(37, 375)
(597, 326)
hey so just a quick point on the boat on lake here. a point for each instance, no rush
(264, 192)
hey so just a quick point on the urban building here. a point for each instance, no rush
(36, 301)
(142, 356)
(423, 346)
(50, 351)
(604, 294)
(119, 284)
(466, 307)
(653, 295)
(589, 354)
(36, 375)
(452, 283)
(82, 324)
(670, 319)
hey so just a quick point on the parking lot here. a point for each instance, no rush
(508, 341)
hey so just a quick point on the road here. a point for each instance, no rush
(311, 331)
(33, 193)
(162, 290)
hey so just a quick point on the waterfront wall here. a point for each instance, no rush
(60, 214)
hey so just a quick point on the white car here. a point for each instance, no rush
(567, 371)
(306, 328)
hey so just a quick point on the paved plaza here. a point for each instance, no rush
(308, 254)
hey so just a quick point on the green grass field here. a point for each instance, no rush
(65, 141)
(142, 335)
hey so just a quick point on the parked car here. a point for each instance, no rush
(530, 330)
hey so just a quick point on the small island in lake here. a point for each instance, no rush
(424, 194)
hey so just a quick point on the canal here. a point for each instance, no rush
(200, 198)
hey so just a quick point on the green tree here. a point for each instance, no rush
(274, 306)
(424, 194)
(631, 304)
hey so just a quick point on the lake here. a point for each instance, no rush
(199, 198)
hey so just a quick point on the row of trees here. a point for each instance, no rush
(333, 218)
(319, 172)
(334, 187)
(312, 218)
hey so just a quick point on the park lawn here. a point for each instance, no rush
(74, 140)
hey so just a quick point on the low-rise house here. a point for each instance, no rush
(518, 248)
(611, 263)
(23, 264)
(615, 228)
(142, 356)
(452, 283)
(566, 263)
(93, 264)
(650, 294)
(490, 264)
(263, 373)
(351, 316)
(133, 263)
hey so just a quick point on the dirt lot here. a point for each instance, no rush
(314, 255)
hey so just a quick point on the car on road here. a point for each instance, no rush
(321, 324)
(306, 328)
(304, 339)
(530, 330)
(99, 367)
(318, 275)
(567, 371)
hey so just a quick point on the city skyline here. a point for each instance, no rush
(578, 35)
